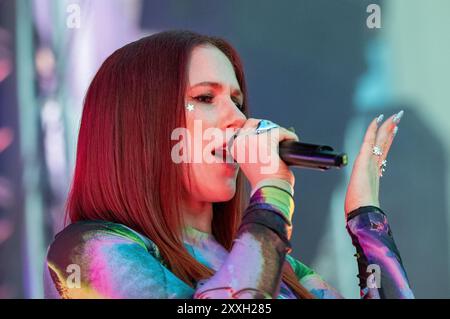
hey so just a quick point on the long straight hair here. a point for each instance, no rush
(124, 172)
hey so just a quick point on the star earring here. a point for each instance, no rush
(190, 107)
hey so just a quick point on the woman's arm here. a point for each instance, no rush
(380, 267)
(254, 265)
(377, 255)
(111, 263)
(253, 268)
(105, 260)
(381, 272)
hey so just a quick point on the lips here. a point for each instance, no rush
(223, 153)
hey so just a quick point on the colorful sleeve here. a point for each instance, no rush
(381, 271)
(253, 267)
(99, 260)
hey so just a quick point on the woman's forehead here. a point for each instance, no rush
(209, 64)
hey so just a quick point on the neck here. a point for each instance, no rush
(198, 215)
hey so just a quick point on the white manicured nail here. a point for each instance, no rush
(396, 119)
(380, 118)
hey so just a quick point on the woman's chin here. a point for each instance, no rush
(224, 192)
(225, 196)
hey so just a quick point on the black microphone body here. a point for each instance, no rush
(320, 157)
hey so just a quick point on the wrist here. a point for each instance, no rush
(350, 207)
(364, 209)
(277, 182)
(274, 198)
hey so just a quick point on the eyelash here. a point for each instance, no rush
(201, 99)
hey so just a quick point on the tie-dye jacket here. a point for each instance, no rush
(100, 259)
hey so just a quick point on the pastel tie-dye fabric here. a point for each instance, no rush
(100, 259)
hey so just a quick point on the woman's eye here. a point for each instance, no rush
(204, 98)
(239, 105)
(208, 99)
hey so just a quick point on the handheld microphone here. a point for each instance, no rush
(320, 157)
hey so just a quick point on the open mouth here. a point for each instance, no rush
(223, 154)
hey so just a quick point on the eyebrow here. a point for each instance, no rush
(216, 85)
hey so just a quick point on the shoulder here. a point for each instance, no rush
(312, 281)
(105, 256)
(85, 238)
(300, 269)
(85, 234)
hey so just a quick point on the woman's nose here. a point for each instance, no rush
(235, 119)
(232, 116)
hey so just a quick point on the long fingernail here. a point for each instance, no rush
(380, 118)
(395, 130)
(292, 129)
(396, 119)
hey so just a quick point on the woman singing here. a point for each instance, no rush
(145, 225)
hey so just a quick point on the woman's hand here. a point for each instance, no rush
(363, 188)
(257, 154)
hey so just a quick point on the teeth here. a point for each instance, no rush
(219, 150)
(224, 154)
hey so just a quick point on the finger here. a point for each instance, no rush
(370, 136)
(249, 128)
(250, 124)
(242, 133)
(388, 144)
(386, 132)
(286, 135)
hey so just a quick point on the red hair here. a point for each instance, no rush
(124, 172)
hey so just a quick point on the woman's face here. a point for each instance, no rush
(213, 99)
